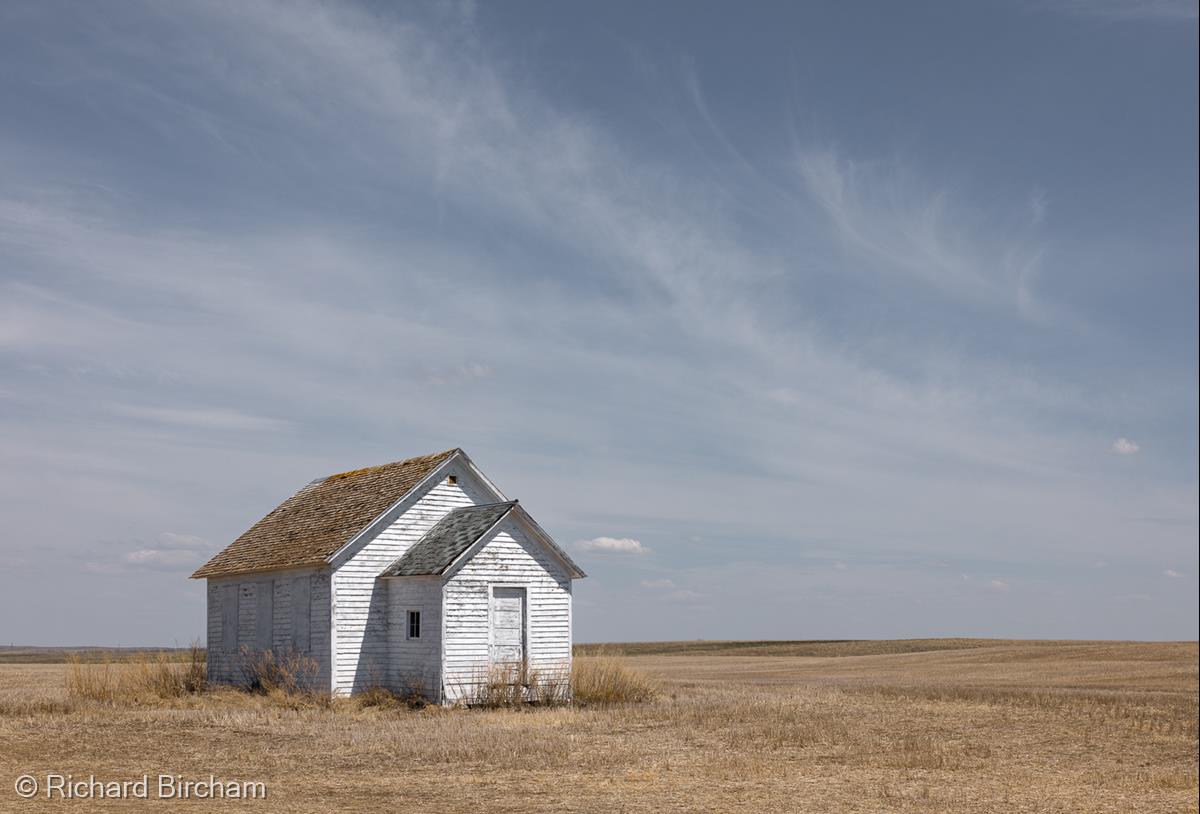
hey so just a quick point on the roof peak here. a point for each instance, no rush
(351, 473)
(512, 502)
(313, 524)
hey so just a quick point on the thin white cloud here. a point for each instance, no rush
(216, 418)
(160, 559)
(656, 584)
(1150, 10)
(618, 545)
(999, 585)
(182, 542)
(1173, 574)
(173, 553)
(1039, 205)
(1123, 446)
(897, 224)
(683, 595)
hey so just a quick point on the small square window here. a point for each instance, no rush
(452, 480)
(414, 624)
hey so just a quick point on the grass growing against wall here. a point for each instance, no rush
(591, 680)
(288, 679)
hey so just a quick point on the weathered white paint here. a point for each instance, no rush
(262, 612)
(360, 597)
(507, 558)
(506, 639)
(415, 664)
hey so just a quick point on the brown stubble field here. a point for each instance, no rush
(934, 726)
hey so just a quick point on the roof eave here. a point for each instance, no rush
(485, 536)
(555, 548)
(206, 573)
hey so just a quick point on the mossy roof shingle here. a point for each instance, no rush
(315, 522)
(448, 539)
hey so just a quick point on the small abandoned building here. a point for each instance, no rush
(415, 575)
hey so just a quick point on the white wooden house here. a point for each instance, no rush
(418, 574)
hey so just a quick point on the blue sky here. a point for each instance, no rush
(791, 321)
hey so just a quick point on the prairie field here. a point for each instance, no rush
(942, 725)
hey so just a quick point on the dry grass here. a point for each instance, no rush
(286, 673)
(607, 679)
(135, 678)
(591, 680)
(513, 686)
(818, 647)
(1066, 727)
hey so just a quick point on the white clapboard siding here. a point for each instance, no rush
(509, 558)
(415, 665)
(360, 598)
(242, 599)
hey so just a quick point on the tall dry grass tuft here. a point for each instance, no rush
(136, 677)
(590, 680)
(498, 686)
(511, 685)
(605, 679)
(289, 678)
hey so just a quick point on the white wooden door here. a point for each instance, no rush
(508, 627)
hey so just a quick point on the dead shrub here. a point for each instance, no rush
(514, 685)
(385, 699)
(498, 686)
(279, 674)
(378, 698)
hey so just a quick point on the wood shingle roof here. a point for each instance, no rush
(311, 525)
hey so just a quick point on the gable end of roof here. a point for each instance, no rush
(444, 545)
(448, 539)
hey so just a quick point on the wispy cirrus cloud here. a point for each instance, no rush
(217, 418)
(895, 222)
(1150, 10)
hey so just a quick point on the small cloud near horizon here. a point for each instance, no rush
(171, 552)
(1123, 446)
(1173, 574)
(616, 545)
